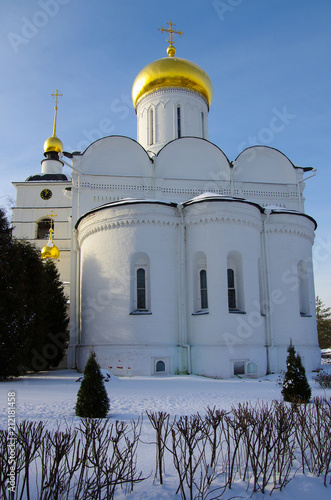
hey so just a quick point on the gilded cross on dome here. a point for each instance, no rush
(51, 215)
(53, 144)
(171, 49)
(56, 95)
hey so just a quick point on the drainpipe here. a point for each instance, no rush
(188, 347)
(266, 268)
(299, 190)
(74, 298)
(152, 156)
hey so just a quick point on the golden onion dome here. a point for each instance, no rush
(53, 144)
(171, 72)
(50, 250)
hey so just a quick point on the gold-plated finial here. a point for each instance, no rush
(56, 95)
(171, 49)
(51, 216)
(50, 250)
(53, 143)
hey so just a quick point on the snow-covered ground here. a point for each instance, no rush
(51, 397)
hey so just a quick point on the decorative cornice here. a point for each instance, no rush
(244, 221)
(263, 193)
(171, 90)
(123, 223)
(300, 232)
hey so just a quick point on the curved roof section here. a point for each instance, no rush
(280, 210)
(219, 198)
(124, 202)
(264, 164)
(203, 198)
(48, 177)
(115, 154)
(193, 158)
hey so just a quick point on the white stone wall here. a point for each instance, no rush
(218, 229)
(157, 119)
(174, 244)
(289, 241)
(112, 241)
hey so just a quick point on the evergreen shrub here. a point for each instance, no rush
(92, 397)
(296, 388)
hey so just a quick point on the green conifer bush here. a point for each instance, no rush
(296, 388)
(92, 397)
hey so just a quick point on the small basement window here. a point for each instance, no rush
(160, 366)
(239, 368)
(251, 368)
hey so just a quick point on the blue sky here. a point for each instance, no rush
(263, 56)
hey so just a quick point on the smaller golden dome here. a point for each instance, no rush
(53, 144)
(50, 251)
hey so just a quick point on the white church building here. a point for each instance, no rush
(178, 260)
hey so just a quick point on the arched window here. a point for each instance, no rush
(141, 288)
(160, 366)
(235, 282)
(140, 293)
(303, 282)
(151, 127)
(200, 290)
(179, 125)
(202, 124)
(43, 227)
(203, 289)
(231, 290)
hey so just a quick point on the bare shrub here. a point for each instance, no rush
(323, 380)
(313, 432)
(160, 422)
(90, 462)
(263, 445)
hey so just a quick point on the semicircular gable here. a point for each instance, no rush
(264, 164)
(115, 155)
(192, 158)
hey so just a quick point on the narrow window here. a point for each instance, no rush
(141, 289)
(203, 289)
(203, 124)
(179, 131)
(151, 127)
(235, 283)
(160, 366)
(303, 278)
(231, 290)
(43, 228)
